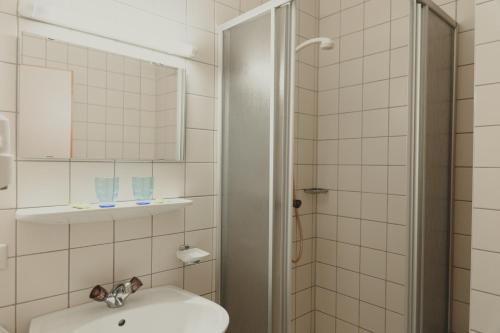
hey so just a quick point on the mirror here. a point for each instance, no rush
(122, 108)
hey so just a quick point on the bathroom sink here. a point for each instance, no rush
(158, 310)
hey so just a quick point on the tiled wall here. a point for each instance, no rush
(305, 164)
(362, 232)
(485, 286)
(51, 266)
(463, 12)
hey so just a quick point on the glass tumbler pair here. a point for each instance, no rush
(107, 190)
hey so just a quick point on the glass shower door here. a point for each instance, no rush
(255, 169)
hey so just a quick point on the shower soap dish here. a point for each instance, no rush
(191, 255)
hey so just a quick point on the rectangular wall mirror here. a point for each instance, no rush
(122, 108)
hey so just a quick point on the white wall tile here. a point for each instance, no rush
(90, 266)
(49, 270)
(50, 178)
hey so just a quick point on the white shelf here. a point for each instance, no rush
(122, 211)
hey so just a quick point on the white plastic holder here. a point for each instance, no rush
(191, 255)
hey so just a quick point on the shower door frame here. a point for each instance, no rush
(419, 12)
(282, 102)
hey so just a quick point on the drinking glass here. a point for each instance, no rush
(143, 189)
(106, 190)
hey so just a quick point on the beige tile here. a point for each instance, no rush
(133, 229)
(377, 12)
(396, 297)
(463, 184)
(326, 251)
(169, 179)
(397, 241)
(461, 285)
(348, 256)
(351, 73)
(35, 238)
(198, 278)
(465, 81)
(486, 187)
(461, 251)
(49, 270)
(351, 99)
(90, 266)
(351, 46)
(348, 230)
(328, 7)
(398, 121)
(399, 92)
(374, 206)
(372, 290)
(199, 179)
(8, 38)
(27, 311)
(327, 226)
(7, 87)
(375, 179)
(372, 317)
(349, 178)
(400, 35)
(199, 145)
(168, 223)
(352, 20)
(326, 276)
(376, 66)
(394, 322)
(8, 284)
(173, 277)
(485, 111)
(486, 70)
(347, 309)
(85, 234)
(349, 151)
(8, 318)
(373, 234)
(349, 204)
(348, 283)
(396, 268)
(377, 38)
(373, 262)
(350, 125)
(397, 180)
(400, 61)
(50, 178)
(376, 95)
(484, 312)
(325, 301)
(460, 320)
(397, 209)
(375, 151)
(8, 230)
(398, 154)
(164, 252)
(132, 258)
(487, 147)
(8, 6)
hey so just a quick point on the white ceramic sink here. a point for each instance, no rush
(157, 310)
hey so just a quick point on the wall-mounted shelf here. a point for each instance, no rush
(122, 211)
(315, 190)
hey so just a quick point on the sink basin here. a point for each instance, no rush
(158, 310)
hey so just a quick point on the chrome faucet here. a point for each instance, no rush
(117, 296)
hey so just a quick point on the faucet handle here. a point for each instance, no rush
(98, 293)
(135, 284)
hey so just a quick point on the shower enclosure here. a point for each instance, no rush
(381, 153)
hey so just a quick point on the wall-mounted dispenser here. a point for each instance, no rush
(6, 159)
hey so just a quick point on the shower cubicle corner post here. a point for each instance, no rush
(280, 15)
(420, 33)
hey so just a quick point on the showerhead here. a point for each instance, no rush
(325, 43)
